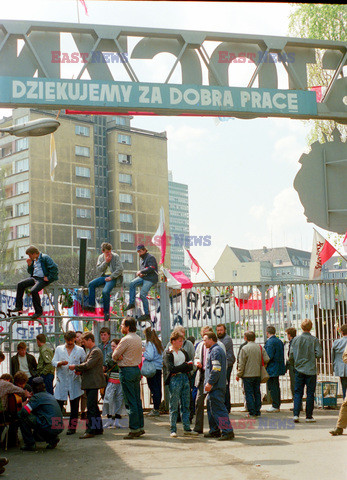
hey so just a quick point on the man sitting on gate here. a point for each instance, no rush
(111, 269)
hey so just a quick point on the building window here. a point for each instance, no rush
(126, 217)
(83, 213)
(23, 231)
(124, 139)
(22, 144)
(126, 257)
(22, 187)
(21, 165)
(82, 151)
(84, 131)
(123, 158)
(22, 209)
(21, 253)
(125, 198)
(126, 237)
(120, 120)
(21, 120)
(82, 172)
(125, 178)
(84, 234)
(82, 192)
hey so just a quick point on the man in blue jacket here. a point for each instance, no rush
(215, 384)
(275, 349)
(42, 272)
(147, 276)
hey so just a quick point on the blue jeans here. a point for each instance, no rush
(32, 431)
(179, 389)
(48, 379)
(344, 386)
(154, 384)
(251, 386)
(106, 291)
(218, 416)
(301, 379)
(130, 378)
(273, 385)
(145, 287)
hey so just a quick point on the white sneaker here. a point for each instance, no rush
(190, 433)
(296, 419)
(310, 420)
(173, 434)
(272, 410)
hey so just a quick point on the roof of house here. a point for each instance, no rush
(284, 256)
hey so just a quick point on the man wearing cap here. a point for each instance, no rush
(147, 276)
(111, 269)
(40, 418)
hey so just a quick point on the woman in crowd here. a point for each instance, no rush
(154, 353)
(113, 400)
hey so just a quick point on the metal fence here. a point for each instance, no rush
(240, 306)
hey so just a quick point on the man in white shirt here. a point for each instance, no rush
(68, 383)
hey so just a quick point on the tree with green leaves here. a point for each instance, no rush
(324, 22)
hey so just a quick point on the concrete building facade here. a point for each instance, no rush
(109, 184)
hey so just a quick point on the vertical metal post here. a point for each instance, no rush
(57, 326)
(263, 309)
(164, 313)
(82, 264)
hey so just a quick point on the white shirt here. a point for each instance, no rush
(23, 365)
(67, 382)
(179, 358)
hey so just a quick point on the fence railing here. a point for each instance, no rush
(240, 306)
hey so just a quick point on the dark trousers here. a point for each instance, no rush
(94, 424)
(218, 417)
(227, 391)
(32, 431)
(301, 379)
(73, 413)
(251, 387)
(291, 371)
(130, 378)
(37, 285)
(199, 404)
(344, 386)
(154, 384)
(48, 379)
(274, 386)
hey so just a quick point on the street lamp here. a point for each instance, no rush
(34, 128)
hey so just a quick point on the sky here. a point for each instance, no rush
(240, 173)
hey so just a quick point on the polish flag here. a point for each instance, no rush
(190, 262)
(177, 280)
(344, 243)
(322, 250)
(159, 238)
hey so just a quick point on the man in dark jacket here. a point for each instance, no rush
(215, 383)
(147, 276)
(23, 361)
(93, 378)
(229, 347)
(42, 272)
(40, 418)
(275, 349)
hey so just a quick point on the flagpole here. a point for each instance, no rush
(78, 12)
(345, 259)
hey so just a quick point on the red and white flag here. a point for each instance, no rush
(85, 6)
(190, 262)
(159, 238)
(344, 243)
(322, 250)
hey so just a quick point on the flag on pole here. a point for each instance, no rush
(53, 156)
(344, 243)
(159, 238)
(322, 250)
(190, 262)
(85, 6)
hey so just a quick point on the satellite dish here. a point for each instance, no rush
(34, 128)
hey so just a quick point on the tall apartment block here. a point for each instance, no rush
(179, 224)
(109, 184)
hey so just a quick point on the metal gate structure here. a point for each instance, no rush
(240, 306)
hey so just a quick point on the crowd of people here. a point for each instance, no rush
(194, 371)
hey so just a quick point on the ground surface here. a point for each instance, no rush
(270, 448)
